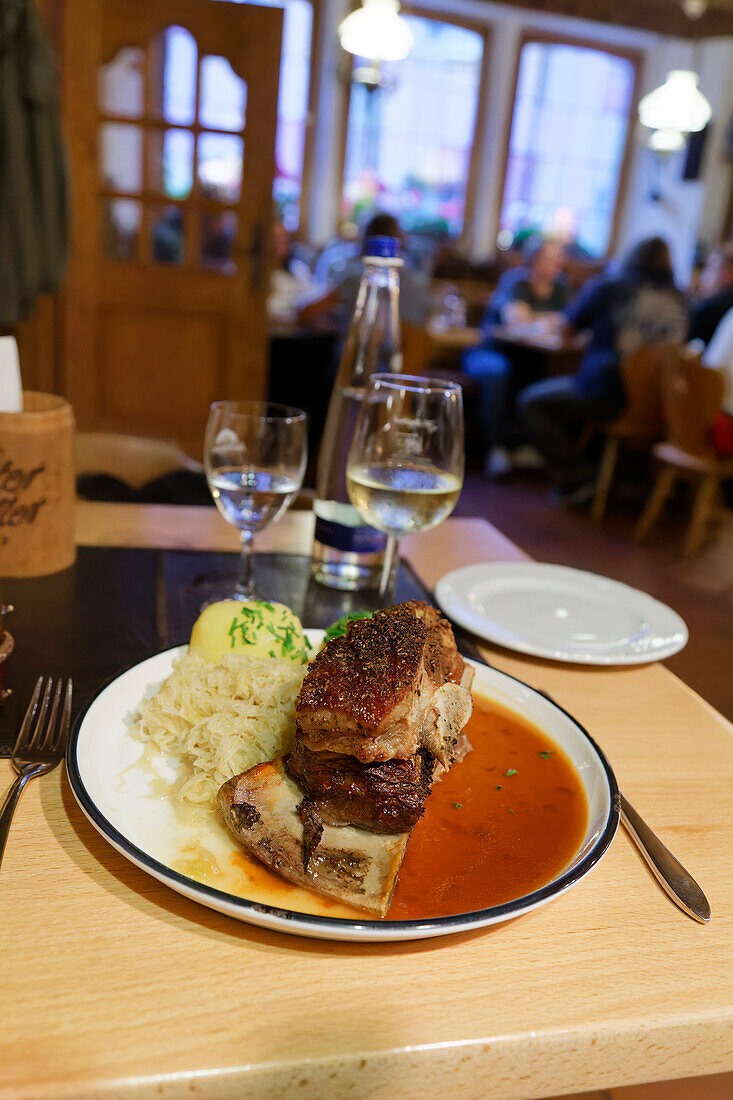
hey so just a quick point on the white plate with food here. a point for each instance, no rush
(560, 613)
(384, 797)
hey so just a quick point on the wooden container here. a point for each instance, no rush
(37, 487)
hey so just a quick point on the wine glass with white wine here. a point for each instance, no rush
(405, 468)
(255, 456)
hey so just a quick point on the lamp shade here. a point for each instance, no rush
(377, 31)
(678, 104)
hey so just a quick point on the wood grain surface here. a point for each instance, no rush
(114, 986)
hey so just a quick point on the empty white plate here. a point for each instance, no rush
(561, 613)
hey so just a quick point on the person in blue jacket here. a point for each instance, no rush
(538, 288)
(634, 305)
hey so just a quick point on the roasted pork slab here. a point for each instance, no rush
(370, 693)
(385, 797)
(261, 807)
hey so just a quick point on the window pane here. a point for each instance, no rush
(170, 162)
(220, 166)
(121, 84)
(408, 145)
(223, 95)
(566, 145)
(167, 235)
(121, 220)
(121, 157)
(292, 106)
(172, 66)
(218, 233)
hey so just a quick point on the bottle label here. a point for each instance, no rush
(352, 540)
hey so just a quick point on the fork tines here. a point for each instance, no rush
(46, 722)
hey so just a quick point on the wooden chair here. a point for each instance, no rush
(642, 421)
(136, 460)
(692, 395)
(417, 349)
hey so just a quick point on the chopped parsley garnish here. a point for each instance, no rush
(510, 771)
(546, 754)
(248, 624)
(511, 811)
(498, 787)
(457, 805)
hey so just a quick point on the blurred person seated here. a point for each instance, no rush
(719, 356)
(289, 279)
(715, 288)
(334, 256)
(534, 293)
(634, 305)
(338, 296)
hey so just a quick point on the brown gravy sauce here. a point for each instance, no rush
(487, 837)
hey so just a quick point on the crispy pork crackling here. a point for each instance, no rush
(371, 693)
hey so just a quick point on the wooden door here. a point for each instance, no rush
(170, 110)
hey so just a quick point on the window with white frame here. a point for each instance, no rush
(408, 144)
(292, 106)
(569, 129)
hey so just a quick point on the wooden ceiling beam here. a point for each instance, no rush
(660, 16)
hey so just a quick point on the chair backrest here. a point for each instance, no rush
(136, 460)
(693, 395)
(417, 349)
(642, 372)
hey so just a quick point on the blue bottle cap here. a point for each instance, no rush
(387, 247)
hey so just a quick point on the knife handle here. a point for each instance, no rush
(669, 872)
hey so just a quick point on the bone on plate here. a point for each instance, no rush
(379, 718)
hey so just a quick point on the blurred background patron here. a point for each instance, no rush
(635, 306)
(531, 294)
(716, 294)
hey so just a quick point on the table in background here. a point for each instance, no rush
(117, 986)
(562, 353)
(453, 337)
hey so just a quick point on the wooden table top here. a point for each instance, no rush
(115, 986)
(456, 337)
(538, 339)
(460, 337)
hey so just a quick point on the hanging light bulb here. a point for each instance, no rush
(694, 9)
(377, 31)
(666, 141)
(678, 104)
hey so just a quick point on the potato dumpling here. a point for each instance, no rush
(255, 627)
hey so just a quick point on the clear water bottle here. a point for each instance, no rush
(348, 554)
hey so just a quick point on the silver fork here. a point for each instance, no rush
(40, 743)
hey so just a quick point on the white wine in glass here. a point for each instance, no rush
(255, 456)
(403, 499)
(405, 468)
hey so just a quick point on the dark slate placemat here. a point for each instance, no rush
(117, 606)
(90, 621)
(192, 579)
